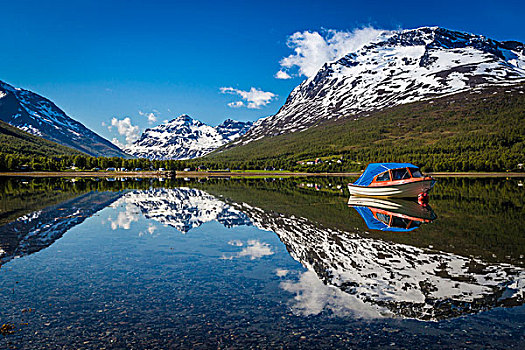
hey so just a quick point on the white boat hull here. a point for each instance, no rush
(402, 190)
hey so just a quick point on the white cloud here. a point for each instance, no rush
(125, 128)
(282, 75)
(117, 143)
(151, 230)
(281, 272)
(235, 243)
(256, 98)
(236, 104)
(152, 116)
(312, 49)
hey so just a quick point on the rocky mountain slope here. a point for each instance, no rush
(41, 117)
(479, 129)
(16, 141)
(406, 66)
(185, 138)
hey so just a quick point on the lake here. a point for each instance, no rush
(269, 263)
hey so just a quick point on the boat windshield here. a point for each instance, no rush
(415, 172)
(383, 176)
(400, 174)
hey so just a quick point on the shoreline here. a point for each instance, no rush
(198, 174)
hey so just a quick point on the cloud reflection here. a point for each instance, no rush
(254, 249)
(312, 296)
(125, 218)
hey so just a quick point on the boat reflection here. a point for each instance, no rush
(394, 215)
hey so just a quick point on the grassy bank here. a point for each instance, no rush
(250, 173)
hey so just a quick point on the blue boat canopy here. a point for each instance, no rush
(374, 169)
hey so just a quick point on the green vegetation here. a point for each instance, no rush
(469, 131)
(482, 131)
(17, 142)
(16, 162)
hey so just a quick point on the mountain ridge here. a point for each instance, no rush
(185, 138)
(16, 141)
(479, 129)
(407, 66)
(40, 116)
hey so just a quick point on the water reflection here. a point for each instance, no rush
(395, 215)
(37, 230)
(403, 280)
(182, 208)
(345, 271)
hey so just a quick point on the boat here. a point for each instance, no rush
(395, 215)
(391, 180)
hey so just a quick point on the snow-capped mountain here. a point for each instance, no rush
(401, 67)
(41, 117)
(185, 138)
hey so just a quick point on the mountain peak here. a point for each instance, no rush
(401, 67)
(185, 138)
(39, 116)
(181, 119)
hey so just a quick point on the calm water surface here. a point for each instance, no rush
(268, 263)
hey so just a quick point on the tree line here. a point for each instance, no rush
(350, 161)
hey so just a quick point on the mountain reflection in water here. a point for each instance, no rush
(182, 208)
(37, 230)
(347, 273)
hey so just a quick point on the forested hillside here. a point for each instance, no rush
(482, 130)
(17, 142)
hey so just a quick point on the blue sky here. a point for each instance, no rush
(100, 60)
